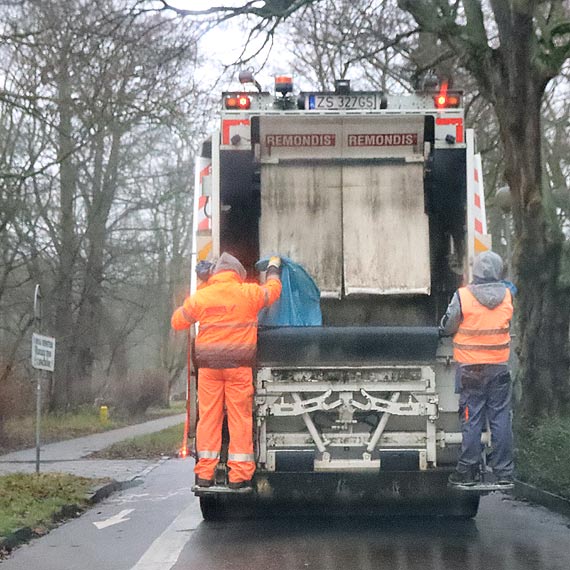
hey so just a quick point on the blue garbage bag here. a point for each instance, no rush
(300, 302)
(511, 286)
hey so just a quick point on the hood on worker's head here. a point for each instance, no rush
(228, 262)
(487, 267)
(487, 286)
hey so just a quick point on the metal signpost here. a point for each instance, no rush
(43, 358)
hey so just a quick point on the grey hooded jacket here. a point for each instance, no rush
(486, 287)
(228, 262)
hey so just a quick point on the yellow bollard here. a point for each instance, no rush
(104, 414)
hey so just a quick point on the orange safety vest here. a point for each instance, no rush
(483, 336)
(227, 312)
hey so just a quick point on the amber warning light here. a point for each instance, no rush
(283, 84)
(238, 101)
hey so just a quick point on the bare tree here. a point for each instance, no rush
(90, 83)
(348, 39)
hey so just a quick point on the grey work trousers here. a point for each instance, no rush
(485, 393)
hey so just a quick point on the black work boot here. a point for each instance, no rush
(204, 482)
(459, 478)
(505, 480)
(239, 485)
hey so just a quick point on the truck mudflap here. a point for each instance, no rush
(359, 345)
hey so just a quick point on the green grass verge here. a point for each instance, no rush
(176, 407)
(151, 446)
(543, 455)
(19, 433)
(30, 500)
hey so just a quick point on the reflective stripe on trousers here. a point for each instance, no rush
(207, 454)
(234, 388)
(241, 457)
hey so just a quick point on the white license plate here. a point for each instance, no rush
(342, 102)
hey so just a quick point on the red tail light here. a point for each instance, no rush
(239, 101)
(446, 100)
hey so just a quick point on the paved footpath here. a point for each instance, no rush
(70, 456)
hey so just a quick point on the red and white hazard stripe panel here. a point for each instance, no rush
(206, 171)
(233, 127)
(204, 214)
(204, 219)
(481, 241)
(450, 126)
(478, 238)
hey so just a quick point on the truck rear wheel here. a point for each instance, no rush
(464, 507)
(213, 508)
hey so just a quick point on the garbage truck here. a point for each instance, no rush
(380, 198)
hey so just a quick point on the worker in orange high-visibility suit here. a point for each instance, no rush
(227, 311)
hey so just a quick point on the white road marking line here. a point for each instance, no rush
(148, 498)
(165, 550)
(115, 519)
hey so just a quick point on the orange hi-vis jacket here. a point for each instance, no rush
(227, 312)
(483, 336)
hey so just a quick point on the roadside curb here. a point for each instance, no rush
(103, 491)
(107, 489)
(65, 512)
(551, 501)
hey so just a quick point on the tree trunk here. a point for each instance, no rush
(543, 305)
(63, 292)
(172, 279)
(90, 316)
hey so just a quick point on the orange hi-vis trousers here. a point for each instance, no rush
(234, 388)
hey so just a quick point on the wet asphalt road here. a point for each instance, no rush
(158, 526)
(506, 535)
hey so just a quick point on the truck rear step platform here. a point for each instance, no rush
(219, 490)
(483, 488)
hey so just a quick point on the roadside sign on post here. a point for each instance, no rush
(43, 352)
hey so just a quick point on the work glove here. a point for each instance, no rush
(204, 269)
(274, 261)
(274, 266)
